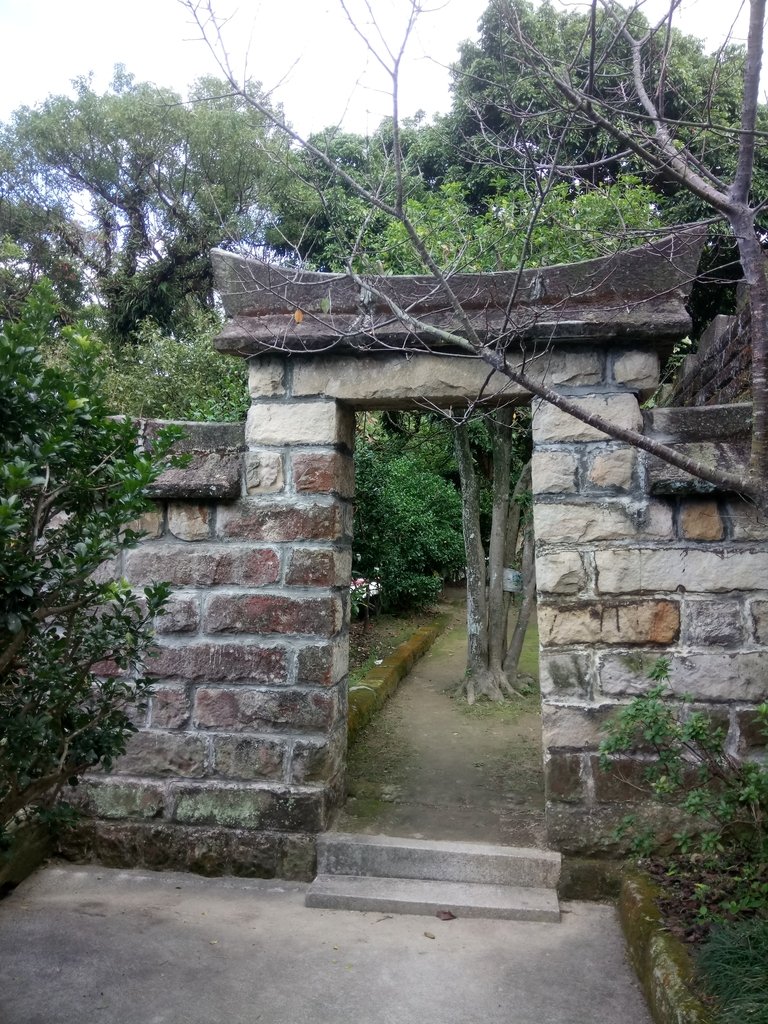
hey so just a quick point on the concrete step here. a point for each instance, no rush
(339, 853)
(416, 896)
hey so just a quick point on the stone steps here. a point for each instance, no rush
(417, 876)
(424, 896)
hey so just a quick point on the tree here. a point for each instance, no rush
(120, 195)
(73, 641)
(581, 103)
(658, 147)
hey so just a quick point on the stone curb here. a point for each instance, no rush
(663, 964)
(370, 694)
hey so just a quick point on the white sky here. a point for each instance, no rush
(304, 49)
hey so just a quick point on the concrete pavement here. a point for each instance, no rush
(88, 945)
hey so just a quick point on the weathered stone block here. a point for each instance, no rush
(572, 367)
(657, 521)
(612, 469)
(563, 777)
(554, 472)
(249, 757)
(748, 523)
(250, 807)
(759, 615)
(189, 522)
(248, 613)
(278, 423)
(245, 710)
(323, 473)
(209, 476)
(701, 520)
(591, 831)
(109, 799)
(160, 753)
(568, 523)
(712, 622)
(254, 520)
(551, 425)
(221, 662)
(170, 707)
(638, 371)
(150, 524)
(323, 664)
(318, 567)
(180, 615)
(575, 727)
(560, 572)
(264, 472)
(638, 622)
(318, 760)
(266, 377)
(625, 781)
(752, 734)
(568, 674)
(707, 677)
(666, 569)
(204, 565)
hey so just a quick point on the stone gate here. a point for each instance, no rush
(239, 762)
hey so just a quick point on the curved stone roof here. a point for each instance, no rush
(639, 294)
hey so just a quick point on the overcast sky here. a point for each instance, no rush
(303, 49)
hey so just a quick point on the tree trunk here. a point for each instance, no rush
(515, 649)
(477, 605)
(514, 519)
(497, 547)
(483, 677)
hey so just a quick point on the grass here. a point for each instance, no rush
(733, 965)
(509, 711)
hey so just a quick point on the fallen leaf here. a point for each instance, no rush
(445, 915)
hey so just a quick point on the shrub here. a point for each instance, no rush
(725, 798)
(181, 378)
(71, 478)
(407, 531)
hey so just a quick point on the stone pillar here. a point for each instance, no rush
(635, 561)
(589, 505)
(240, 756)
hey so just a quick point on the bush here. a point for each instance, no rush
(71, 478)
(725, 798)
(407, 531)
(176, 378)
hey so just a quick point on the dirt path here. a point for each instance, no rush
(430, 767)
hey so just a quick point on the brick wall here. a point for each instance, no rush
(240, 754)
(634, 562)
(719, 372)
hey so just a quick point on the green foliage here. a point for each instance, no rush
(572, 223)
(733, 965)
(726, 798)
(182, 378)
(122, 194)
(71, 479)
(407, 527)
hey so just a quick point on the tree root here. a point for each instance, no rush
(487, 684)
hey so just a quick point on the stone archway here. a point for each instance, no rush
(241, 758)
